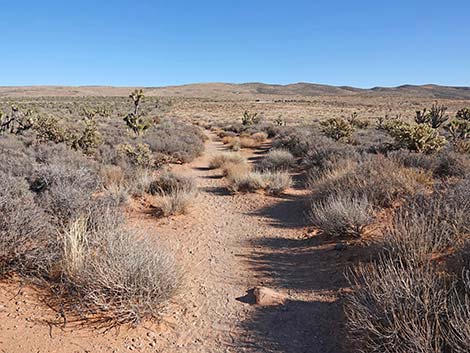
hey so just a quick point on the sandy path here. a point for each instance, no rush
(226, 245)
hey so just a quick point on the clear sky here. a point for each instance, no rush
(360, 43)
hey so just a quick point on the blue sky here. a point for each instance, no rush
(151, 43)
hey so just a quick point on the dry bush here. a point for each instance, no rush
(249, 182)
(175, 201)
(259, 137)
(297, 140)
(113, 274)
(117, 193)
(23, 225)
(397, 308)
(248, 142)
(277, 182)
(406, 301)
(428, 226)
(181, 141)
(227, 140)
(236, 169)
(342, 215)
(219, 160)
(277, 160)
(376, 178)
(166, 182)
(459, 317)
(235, 144)
(63, 191)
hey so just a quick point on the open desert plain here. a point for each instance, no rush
(235, 176)
(234, 218)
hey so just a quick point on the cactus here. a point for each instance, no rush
(463, 114)
(435, 117)
(134, 121)
(337, 128)
(88, 140)
(415, 137)
(139, 155)
(48, 128)
(249, 118)
(279, 121)
(137, 96)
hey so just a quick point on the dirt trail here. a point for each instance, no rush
(226, 245)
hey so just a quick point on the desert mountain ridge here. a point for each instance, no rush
(243, 90)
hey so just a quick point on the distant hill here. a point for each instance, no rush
(244, 90)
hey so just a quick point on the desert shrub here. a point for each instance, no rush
(249, 182)
(117, 193)
(342, 215)
(276, 182)
(337, 128)
(182, 141)
(417, 137)
(396, 308)
(444, 164)
(14, 158)
(376, 178)
(259, 137)
(277, 159)
(427, 226)
(23, 224)
(175, 201)
(113, 273)
(219, 160)
(295, 140)
(248, 142)
(405, 301)
(451, 164)
(64, 192)
(326, 156)
(166, 181)
(235, 169)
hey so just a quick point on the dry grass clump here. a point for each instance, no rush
(219, 160)
(274, 183)
(249, 142)
(277, 182)
(166, 182)
(246, 182)
(175, 202)
(174, 193)
(342, 215)
(259, 137)
(115, 274)
(277, 160)
(376, 178)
